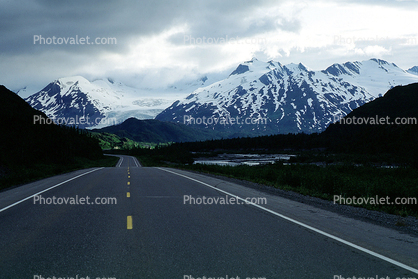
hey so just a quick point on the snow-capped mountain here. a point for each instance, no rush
(375, 75)
(413, 70)
(290, 98)
(26, 90)
(21, 90)
(103, 102)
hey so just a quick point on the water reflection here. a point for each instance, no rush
(244, 159)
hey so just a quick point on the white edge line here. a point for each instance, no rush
(9, 206)
(135, 161)
(307, 226)
(120, 162)
(138, 164)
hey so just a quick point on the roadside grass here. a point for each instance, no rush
(18, 175)
(346, 181)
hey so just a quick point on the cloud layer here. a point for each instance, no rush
(159, 42)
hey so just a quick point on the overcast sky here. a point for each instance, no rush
(153, 43)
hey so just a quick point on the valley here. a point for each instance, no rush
(209, 139)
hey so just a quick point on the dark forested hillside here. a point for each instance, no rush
(156, 131)
(24, 144)
(392, 126)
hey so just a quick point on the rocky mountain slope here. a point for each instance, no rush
(261, 98)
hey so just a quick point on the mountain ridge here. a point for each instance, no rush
(104, 101)
(291, 97)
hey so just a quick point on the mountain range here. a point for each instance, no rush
(104, 102)
(286, 98)
(358, 136)
(257, 98)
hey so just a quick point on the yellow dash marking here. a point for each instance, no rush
(129, 176)
(129, 225)
(129, 183)
(128, 194)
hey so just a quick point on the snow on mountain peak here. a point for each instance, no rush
(296, 68)
(76, 97)
(413, 70)
(292, 97)
(291, 91)
(375, 75)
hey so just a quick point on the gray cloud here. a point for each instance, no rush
(21, 20)
(22, 61)
(119, 19)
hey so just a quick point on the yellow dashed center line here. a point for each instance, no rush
(129, 223)
(128, 195)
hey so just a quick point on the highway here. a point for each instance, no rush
(135, 222)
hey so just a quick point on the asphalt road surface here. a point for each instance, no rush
(147, 223)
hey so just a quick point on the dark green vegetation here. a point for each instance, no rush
(344, 160)
(111, 141)
(13, 176)
(325, 182)
(30, 151)
(156, 131)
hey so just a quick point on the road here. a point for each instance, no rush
(143, 228)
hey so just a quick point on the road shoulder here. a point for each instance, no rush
(340, 221)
